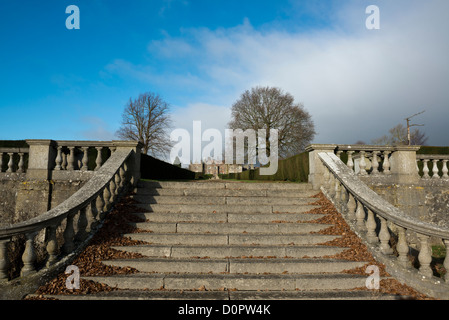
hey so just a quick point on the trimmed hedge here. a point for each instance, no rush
(295, 169)
(433, 150)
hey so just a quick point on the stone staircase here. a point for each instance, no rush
(231, 240)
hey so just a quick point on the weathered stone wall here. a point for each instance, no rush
(426, 201)
(8, 192)
(22, 199)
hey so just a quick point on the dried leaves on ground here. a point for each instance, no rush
(357, 250)
(116, 223)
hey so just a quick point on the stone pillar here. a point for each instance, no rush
(134, 163)
(316, 167)
(34, 194)
(403, 164)
(41, 159)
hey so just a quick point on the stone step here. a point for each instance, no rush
(230, 208)
(225, 192)
(146, 199)
(276, 282)
(225, 228)
(226, 295)
(229, 217)
(250, 265)
(231, 251)
(231, 239)
(225, 185)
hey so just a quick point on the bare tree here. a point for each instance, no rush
(398, 136)
(146, 119)
(271, 108)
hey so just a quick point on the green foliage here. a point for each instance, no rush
(295, 169)
(433, 150)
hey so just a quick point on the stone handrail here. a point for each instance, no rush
(8, 155)
(376, 221)
(82, 212)
(424, 159)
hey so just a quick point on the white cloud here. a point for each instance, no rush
(355, 83)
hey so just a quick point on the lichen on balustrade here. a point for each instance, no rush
(387, 231)
(59, 233)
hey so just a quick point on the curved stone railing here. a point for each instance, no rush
(75, 221)
(376, 221)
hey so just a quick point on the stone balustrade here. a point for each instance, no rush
(432, 166)
(396, 164)
(60, 233)
(378, 222)
(13, 159)
(80, 155)
(367, 160)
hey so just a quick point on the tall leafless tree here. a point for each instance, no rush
(271, 108)
(147, 119)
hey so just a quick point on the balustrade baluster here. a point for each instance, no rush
(362, 164)
(58, 160)
(352, 205)
(99, 205)
(52, 245)
(20, 165)
(85, 159)
(425, 256)
(64, 160)
(112, 191)
(4, 263)
(29, 256)
(332, 187)
(10, 162)
(337, 193)
(445, 170)
(69, 233)
(350, 162)
(117, 183)
(371, 228)
(106, 198)
(403, 249)
(435, 174)
(71, 160)
(386, 163)
(123, 176)
(82, 225)
(343, 199)
(375, 164)
(360, 216)
(425, 169)
(91, 215)
(384, 237)
(98, 160)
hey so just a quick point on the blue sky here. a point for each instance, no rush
(201, 55)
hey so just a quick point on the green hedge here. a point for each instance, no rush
(433, 150)
(295, 169)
